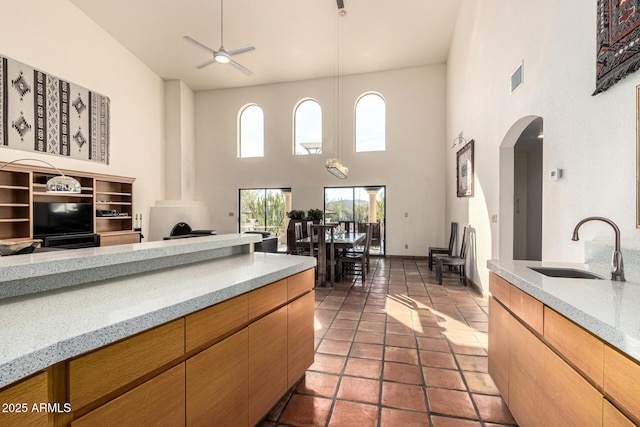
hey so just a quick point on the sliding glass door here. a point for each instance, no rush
(358, 205)
(263, 209)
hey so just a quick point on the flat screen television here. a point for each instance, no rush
(54, 219)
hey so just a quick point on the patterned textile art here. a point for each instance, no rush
(42, 113)
(618, 41)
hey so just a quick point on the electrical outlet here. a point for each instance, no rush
(231, 214)
(494, 218)
(406, 214)
(406, 246)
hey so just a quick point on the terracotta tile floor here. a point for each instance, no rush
(398, 351)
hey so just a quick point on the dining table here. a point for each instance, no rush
(329, 242)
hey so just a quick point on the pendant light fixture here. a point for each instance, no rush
(335, 166)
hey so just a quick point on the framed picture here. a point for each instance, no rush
(464, 170)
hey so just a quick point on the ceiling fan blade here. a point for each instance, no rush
(197, 43)
(244, 49)
(204, 64)
(242, 68)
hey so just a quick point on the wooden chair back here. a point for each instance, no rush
(453, 237)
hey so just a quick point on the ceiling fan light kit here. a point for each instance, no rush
(221, 55)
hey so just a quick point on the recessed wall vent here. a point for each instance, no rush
(517, 77)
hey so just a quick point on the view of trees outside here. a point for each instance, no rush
(262, 209)
(352, 204)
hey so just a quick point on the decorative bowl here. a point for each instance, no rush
(8, 247)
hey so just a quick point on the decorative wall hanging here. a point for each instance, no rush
(42, 113)
(618, 42)
(464, 170)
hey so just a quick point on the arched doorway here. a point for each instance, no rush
(521, 190)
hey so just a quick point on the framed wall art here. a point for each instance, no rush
(464, 170)
(43, 113)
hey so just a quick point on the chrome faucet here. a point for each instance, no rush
(617, 266)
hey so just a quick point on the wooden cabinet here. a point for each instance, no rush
(217, 384)
(558, 373)
(15, 205)
(103, 371)
(622, 381)
(611, 417)
(112, 195)
(499, 347)
(18, 399)
(213, 322)
(22, 185)
(300, 343)
(159, 401)
(585, 351)
(267, 362)
(215, 367)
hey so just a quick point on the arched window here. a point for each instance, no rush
(370, 123)
(307, 128)
(251, 132)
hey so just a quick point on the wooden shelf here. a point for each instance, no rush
(21, 185)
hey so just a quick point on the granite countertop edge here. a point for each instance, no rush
(268, 269)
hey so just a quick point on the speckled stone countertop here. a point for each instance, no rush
(610, 310)
(44, 271)
(39, 330)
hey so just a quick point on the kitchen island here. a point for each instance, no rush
(564, 351)
(167, 319)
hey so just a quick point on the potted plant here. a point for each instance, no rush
(295, 214)
(315, 215)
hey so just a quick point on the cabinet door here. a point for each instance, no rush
(621, 379)
(17, 401)
(267, 363)
(499, 347)
(611, 417)
(526, 371)
(159, 401)
(300, 333)
(217, 389)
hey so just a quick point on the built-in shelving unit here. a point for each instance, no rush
(22, 185)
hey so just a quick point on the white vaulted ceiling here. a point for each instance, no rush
(294, 39)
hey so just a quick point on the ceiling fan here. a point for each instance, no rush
(222, 55)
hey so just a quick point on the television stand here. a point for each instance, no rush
(70, 241)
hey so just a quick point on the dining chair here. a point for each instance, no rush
(444, 251)
(300, 249)
(455, 262)
(355, 263)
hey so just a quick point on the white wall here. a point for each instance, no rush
(412, 167)
(55, 37)
(591, 138)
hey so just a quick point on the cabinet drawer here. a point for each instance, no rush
(110, 240)
(265, 299)
(527, 308)
(300, 284)
(159, 401)
(216, 321)
(585, 351)
(103, 371)
(621, 379)
(28, 392)
(499, 288)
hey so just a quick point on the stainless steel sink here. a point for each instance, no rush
(567, 273)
